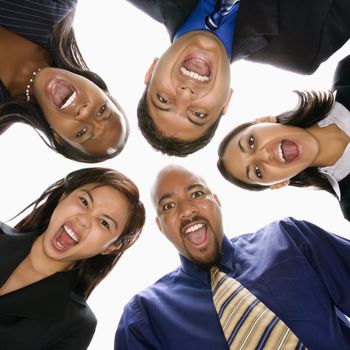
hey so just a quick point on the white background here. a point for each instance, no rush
(119, 42)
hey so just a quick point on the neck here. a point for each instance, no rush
(18, 60)
(332, 142)
(39, 263)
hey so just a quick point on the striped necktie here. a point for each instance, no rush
(222, 8)
(247, 323)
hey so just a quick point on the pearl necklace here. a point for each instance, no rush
(30, 83)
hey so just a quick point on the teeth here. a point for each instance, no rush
(193, 75)
(194, 228)
(280, 153)
(70, 100)
(71, 233)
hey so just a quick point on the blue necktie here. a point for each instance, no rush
(222, 8)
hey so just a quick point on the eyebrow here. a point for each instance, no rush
(247, 169)
(187, 189)
(105, 215)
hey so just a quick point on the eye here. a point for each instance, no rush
(258, 173)
(197, 194)
(105, 224)
(168, 206)
(81, 133)
(200, 115)
(251, 141)
(84, 202)
(162, 99)
(102, 110)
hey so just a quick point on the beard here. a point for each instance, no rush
(209, 259)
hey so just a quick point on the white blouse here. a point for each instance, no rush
(340, 116)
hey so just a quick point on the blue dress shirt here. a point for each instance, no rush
(298, 270)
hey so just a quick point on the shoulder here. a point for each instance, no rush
(287, 230)
(79, 309)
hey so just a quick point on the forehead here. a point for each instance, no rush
(172, 181)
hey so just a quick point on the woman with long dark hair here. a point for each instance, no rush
(307, 146)
(45, 83)
(56, 255)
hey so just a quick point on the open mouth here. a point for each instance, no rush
(197, 234)
(62, 94)
(196, 68)
(288, 151)
(65, 238)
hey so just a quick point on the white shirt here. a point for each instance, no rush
(340, 116)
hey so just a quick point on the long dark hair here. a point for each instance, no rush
(92, 270)
(64, 54)
(312, 107)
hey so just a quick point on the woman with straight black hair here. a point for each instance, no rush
(305, 147)
(45, 83)
(56, 255)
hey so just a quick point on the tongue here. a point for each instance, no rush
(198, 66)
(197, 237)
(290, 150)
(60, 92)
(65, 240)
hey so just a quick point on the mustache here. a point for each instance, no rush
(186, 222)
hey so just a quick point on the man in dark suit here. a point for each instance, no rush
(185, 98)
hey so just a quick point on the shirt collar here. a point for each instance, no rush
(226, 261)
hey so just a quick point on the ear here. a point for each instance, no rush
(227, 103)
(267, 119)
(149, 72)
(158, 224)
(111, 248)
(279, 185)
(57, 137)
(217, 200)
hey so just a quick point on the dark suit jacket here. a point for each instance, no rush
(341, 83)
(44, 315)
(292, 34)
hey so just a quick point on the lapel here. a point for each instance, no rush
(256, 19)
(45, 299)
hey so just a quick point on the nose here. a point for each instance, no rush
(83, 221)
(261, 156)
(186, 92)
(187, 209)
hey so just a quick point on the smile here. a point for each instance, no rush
(197, 234)
(288, 151)
(193, 75)
(62, 94)
(196, 68)
(65, 238)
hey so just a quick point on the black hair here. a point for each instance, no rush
(170, 145)
(312, 107)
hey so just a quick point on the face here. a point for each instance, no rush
(189, 215)
(270, 153)
(79, 112)
(189, 86)
(85, 223)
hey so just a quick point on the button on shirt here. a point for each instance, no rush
(286, 265)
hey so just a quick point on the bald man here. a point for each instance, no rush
(275, 287)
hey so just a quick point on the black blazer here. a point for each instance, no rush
(341, 83)
(292, 34)
(44, 315)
